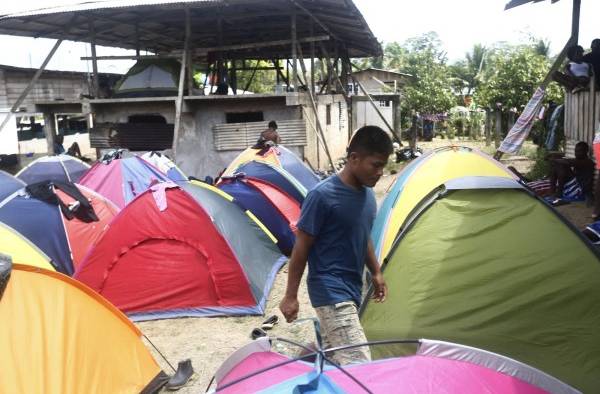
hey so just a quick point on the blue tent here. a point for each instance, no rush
(61, 168)
(277, 210)
(277, 176)
(9, 184)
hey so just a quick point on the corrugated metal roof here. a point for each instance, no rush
(239, 136)
(516, 3)
(160, 25)
(103, 5)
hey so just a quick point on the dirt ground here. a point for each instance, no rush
(209, 341)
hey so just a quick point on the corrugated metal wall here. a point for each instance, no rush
(239, 136)
(582, 115)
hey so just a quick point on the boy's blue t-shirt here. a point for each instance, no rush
(340, 218)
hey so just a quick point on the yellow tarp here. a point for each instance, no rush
(437, 169)
(59, 337)
(21, 250)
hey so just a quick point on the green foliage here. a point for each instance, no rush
(541, 167)
(512, 75)
(466, 73)
(263, 81)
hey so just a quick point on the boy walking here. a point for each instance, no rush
(334, 236)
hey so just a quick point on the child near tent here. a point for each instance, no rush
(334, 236)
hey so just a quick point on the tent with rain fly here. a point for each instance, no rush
(61, 168)
(165, 165)
(150, 78)
(483, 262)
(58, 336)
(437, 367)
(9, 184)
(174, 253)
(276, 176)
(121, 180)
(419, 178)
(21, 250)
(280, 157)
(61, 223)
(272, 206)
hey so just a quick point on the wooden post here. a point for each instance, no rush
(312, 57)
(36, 76)
(316, 112)
(575, 21)
(488, 127)
(398, 117)
(137, 40)
(96, 84)
(294, 53)
(179, 102)
(234, 76)
(50, 131)
(498, 133)
(189, 60)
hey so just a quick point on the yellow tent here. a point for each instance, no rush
(58, 336)
(22, 251)
(425, 174)
(251, 154)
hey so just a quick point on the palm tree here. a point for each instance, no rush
(542, 48)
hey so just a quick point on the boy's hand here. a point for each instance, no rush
(380, 289)
(289, 307)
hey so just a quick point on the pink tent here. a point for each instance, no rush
(438, 367)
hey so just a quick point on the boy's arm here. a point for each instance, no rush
(380, 289)
(289, 305)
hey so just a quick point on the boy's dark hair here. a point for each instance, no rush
(573, 50)
(370, 140)
(273, 125)
(583, 145)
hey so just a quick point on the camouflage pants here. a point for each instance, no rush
(340, 326)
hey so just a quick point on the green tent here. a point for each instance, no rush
(150, 78)
(481, 261)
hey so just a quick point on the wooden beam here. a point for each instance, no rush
(132, 57)
(294, 53)
(316, 112)
(189, 65)
(575, 21)
(96, 88)
(312, 58)
(30, 86)
(314, 18)
(179, 102)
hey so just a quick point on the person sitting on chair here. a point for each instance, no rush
(572, 178)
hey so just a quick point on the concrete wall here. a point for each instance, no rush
(336, 133)
(195, 149)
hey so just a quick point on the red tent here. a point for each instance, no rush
(164, 256)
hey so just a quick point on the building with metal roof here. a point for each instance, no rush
(221, 38)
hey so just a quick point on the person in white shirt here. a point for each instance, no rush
(577, 72)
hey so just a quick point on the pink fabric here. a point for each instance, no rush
(159, 194)
(111, 187)
(257, 361)
(415, 374)
(421, 374)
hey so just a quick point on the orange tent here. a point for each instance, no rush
(58, 336)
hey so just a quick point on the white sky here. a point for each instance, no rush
(459, 23)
